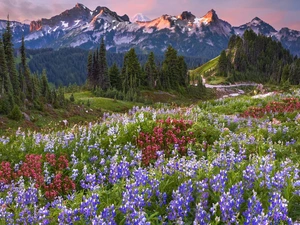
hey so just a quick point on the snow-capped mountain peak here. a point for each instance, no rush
(188, 34)
(256, 20)
(258, 26)
(140, 17)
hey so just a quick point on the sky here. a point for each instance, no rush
(278, 13)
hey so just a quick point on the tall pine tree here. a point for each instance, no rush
(25, 72)
(11, 66)
(114, 75)
(131, 72)
(6, 91)
(96, 70)
(151, 73)
(104, 82)
(90, 70)
(170, 70)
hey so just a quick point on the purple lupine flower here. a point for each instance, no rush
(202, 217)
(90, 182)
(230, 203)
(254, 213)
(89, 206)
(278, 209)
(218, 182)
(179, 207)
(137, 218)
(249, 176)
(119, 171)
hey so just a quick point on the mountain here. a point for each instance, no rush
(290, 39)
(196, 36)
(18, 29)
(81, 27)
(140, 17)
(255, 58)
(258, 26)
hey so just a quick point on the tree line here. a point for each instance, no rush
(127, 82)
(67, 66)
(258, 58)
(19, 88)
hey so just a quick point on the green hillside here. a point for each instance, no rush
(258, 58)
(210, 65)
(208, 71)
(105, 104)
(251, 58)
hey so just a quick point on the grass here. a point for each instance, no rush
(105, 104)
(205, 67)
(76, 113)
(215, 80)
(206, 70)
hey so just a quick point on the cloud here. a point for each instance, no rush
(22, 9)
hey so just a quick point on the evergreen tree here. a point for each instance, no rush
(22, 85)
(222, 64)
(72, 99)
(90, 70)
(25, 73)
(45, 90)
(11, 67)
(104, 82)
(115, 79)
(285, 74)
(170, 70)
(96, 70)
(131, 73)
(183, 72)
(6, 90)
(36, 88)
(151, 73)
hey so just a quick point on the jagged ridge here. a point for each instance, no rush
(189, 34)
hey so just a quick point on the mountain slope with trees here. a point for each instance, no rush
(127, 82)
(69, 65)
(19, 88)
(257, 58)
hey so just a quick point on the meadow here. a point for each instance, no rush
(226, 161)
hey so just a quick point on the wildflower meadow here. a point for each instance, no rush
(227, 161)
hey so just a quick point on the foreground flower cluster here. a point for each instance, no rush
(157, 166)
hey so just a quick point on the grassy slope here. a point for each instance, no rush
(205, 67)
(105, 104)
(79, 112)
(211, 79)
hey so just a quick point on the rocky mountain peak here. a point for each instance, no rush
(256, 19)
(80, 6)
(211, 16)
(185, 15)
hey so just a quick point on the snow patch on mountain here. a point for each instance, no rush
(140, 17)
(123, 39)
(81, 40)
(34, 36)
(64, 24)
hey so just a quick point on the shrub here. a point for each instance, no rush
(15, 114)
(72, 99)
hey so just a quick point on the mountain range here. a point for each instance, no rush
(190, 35)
